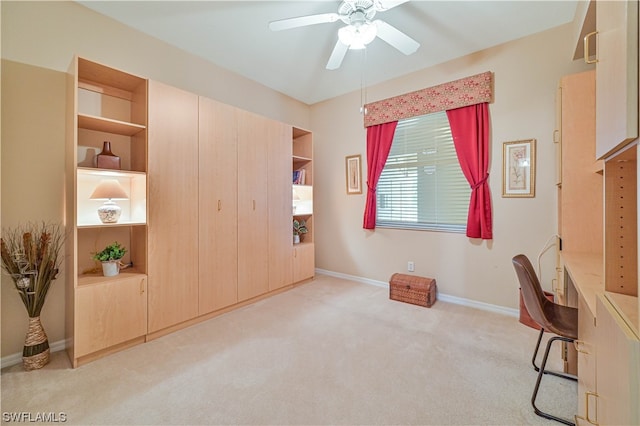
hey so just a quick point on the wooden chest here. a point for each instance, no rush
(413, 289)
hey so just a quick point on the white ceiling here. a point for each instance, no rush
(235, 36)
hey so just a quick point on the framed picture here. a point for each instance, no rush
(354, 174)
(519, 168)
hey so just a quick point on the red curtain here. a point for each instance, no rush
(379, 138)
(470, 131)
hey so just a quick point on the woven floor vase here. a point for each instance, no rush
(36, 346)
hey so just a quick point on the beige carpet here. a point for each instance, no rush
(329, 352)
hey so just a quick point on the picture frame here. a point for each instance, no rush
(353, 174)
(519, 169)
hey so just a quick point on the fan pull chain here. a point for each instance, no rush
(363, 83)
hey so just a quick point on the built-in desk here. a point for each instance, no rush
(608, 344)
(586, 273)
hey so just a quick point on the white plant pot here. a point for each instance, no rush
(296, 239)
(111, 268)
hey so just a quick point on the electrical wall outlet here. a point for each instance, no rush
(410, 266)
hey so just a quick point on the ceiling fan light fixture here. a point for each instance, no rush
(357, 37)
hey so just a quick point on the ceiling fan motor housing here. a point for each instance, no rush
(357, 12)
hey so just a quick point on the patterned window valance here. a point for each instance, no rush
(455, 94)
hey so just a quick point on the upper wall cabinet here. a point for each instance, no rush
(616, 75)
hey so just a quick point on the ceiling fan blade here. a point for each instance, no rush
(382, 5)
(396, 38)
(335, 60)
(302, 21)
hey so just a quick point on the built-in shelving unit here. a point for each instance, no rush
(606, 281)
(105, 104)
(302, 209)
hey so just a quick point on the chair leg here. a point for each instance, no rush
(537, 387)
(553, 373)
(535, 353)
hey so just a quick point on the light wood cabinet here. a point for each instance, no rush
(207, 222)
(253, 232)
(302, 162)
(280, 204)
(586, 348)
(218, 202)
(173, 206)
(113, 311)
(618, 367)
(580, 189)
(104, 104)
(617, 75)
(303, 261)
(606, 278)
(579, 185)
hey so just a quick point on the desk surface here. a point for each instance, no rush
(586, 271)
(628, 308)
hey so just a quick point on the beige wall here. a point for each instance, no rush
(39, 40)
(526, 75)
(33, 132)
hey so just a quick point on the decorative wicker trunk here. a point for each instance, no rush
(413, 289)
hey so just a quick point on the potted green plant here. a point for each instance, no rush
(110, 258)
(299, 228)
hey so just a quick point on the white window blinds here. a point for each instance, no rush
(422, 185)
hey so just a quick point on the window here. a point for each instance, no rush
(422, 185)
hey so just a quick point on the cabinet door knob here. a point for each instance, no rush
(586, 49)
(254, 204)
(219, 205)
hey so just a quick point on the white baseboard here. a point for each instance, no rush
(444, 297)
(13, 359)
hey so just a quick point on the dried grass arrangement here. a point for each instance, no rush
(31, 257)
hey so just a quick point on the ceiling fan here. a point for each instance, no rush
(360, 30)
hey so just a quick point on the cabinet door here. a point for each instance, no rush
(303, 261)
(618, 368)
(110, 313)
(253, 235)
(218, 200)
(581, 192)
(617, 75)
(173, 206)
(586, 360)
(280, 206)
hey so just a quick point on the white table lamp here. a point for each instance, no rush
(109, 190)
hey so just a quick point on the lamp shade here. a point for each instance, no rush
(109, 189)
